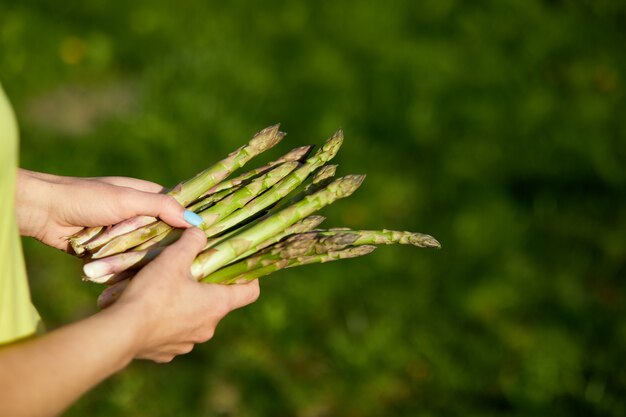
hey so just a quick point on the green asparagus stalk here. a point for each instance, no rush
(361, 237)
(241, 197)
(303, 244)
(304, 225)
(322, 174)
(321, 178)
(350, 252)
(209, 216)
(224, 252)
(284, 187)
(294, 155)
(387, 237)
(188, 191)
(211, 199)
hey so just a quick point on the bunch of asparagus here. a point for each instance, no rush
(256, 223)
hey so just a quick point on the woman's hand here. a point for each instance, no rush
(169, 309)
(51, 208)
(166, 308)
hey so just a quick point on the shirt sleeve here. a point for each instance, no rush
(18, 317)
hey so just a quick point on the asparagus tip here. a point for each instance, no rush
(310, 222)
(297, 154)
(266, 138)
(332, 145)
(345, 186)
(324, 172)
(425, 241)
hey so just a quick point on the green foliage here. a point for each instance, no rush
(496, 126)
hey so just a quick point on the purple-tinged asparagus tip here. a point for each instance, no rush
(296, 154)
(425, 241)
(325, 172)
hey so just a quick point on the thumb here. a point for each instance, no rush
(181, 253)
(162, 206)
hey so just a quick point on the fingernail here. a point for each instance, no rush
(192, 218)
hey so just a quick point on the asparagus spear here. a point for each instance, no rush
(284, 187)
(301, 226)
(190, 190)
(241, 197)
(211, 199)
(252, 274)
(224, 252)
(209, 216)
(387, 237)
(228, 186)
(321, 178)
(322, 174)
(158, 240)
(112, 293)
(363, 237)
(303, 244)
(78, 239)
(294, 155)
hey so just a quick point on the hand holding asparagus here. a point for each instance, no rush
(258, 222)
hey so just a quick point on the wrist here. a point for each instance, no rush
(129, 330)
(134, 324)
(32, 203)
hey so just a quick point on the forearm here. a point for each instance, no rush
(43, 376)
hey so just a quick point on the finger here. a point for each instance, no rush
(111, 294)
(182, 252)
(135, 183)
(162, 358)
(237, 296)
(177, 348)
(141, 203)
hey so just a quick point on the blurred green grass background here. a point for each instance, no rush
(498, 126)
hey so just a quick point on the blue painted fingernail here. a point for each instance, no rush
(192, 218)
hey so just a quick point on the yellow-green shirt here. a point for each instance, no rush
(18, 317)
